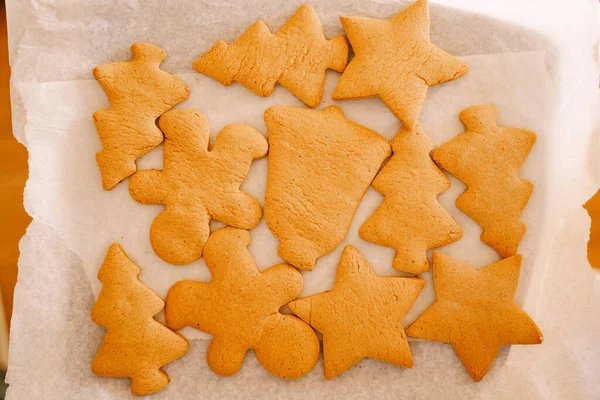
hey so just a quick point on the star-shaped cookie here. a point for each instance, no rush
(361, 316)
(475, 311)
(395, 61)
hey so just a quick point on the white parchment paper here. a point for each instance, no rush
(53, 340)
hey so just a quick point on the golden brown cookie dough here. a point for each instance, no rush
(320, 166)
(240, 308)
(135, 345)
(198, 185)
(361, 316)
(487, 159)
(296, 57)
(475, 311)
(139, 92)
(395, 61)
(410, 219)
(592, 206)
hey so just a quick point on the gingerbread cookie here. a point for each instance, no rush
(410, 219)
(320, 166)
(395, 61)
(139, 92)
(135, 345)
(487, 159)
(240, 308)
(475, 311)
(296, 57)
(361, 316)
(593, 247)
(198, 185)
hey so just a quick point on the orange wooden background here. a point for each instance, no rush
(13, 173)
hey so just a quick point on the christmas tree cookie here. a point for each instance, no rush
(296, 57)
(135, 345)
(487, 159)
(410, 219)
(139, 92)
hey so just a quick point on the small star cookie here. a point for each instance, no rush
(475, 311)
(361, 316)
(395, 61)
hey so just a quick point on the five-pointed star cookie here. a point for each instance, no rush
(475, 311)
(395, 61)
(361, 316)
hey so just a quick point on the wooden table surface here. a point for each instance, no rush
(13, 173)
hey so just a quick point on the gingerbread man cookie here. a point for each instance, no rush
(198, 185)
(240, 308)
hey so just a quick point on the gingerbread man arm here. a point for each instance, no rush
(241, 141)
(186, 131)
(237, 145)
(185, 304)
(289, 276)
(148, 187)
